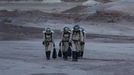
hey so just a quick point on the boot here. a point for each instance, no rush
(69, 52)
(74, 56)
(79, 54)
(60, 53)
(82, 54)
(48, 55)
(65, 55)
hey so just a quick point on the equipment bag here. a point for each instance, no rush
(54, 55)
(60, 53)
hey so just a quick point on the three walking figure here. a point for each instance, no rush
(71, 45)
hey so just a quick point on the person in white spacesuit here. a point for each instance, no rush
(48, 42)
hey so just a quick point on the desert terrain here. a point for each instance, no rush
(109, 26)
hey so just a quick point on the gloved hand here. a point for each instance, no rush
(82, 43)
(53, 44)
(43, 42)
(70, 44)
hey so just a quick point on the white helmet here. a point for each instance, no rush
(48, 30)
(76, 28)
(66, 29)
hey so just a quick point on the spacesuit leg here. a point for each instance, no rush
(75, 51)
(48, 48)
(65, 50)
(78, 48)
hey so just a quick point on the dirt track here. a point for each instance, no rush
(27, 58)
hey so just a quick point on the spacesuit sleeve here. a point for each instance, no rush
(84, 36)
(81, 36)
(71, 35)
(43, 34)
(61, 35)
(53, 39)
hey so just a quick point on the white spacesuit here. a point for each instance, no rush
(48, 42)
(65, 42)
(76, 38)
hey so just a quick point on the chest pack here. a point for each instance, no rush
(48, 37)
(66, 37)
(76, 35)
